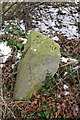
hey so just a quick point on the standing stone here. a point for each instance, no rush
(41, 54)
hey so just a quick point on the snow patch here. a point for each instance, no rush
(65, 73)
(55, 38)
(63, 59)
(5, 50)
(65, 86)
(24, 40)
(72, 59)
(19, 55)
(66, 93)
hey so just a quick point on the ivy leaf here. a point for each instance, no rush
(16, 32)
(19, 45)
(10, 42)
(45, 105)
(41, 113)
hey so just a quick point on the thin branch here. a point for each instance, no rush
(35, 5)
(72, 62)
(8, 8)
(11, 12)
(71, 73)
(67, 76)
(7, 106)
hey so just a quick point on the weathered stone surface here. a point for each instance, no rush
(42, 54)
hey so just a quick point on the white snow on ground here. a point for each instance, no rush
(24, 40)
(55, 38)
(2, 33)
(76, 67)
(43, 26)
(13, 65)
(72, 59)
(65, 73)
(19, 55)
(22, 26)
(65, 86)
(66, 93)
(63, 59)
(5, 50)
(70, 30)
(6, 23)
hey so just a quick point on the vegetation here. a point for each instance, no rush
(58, 98)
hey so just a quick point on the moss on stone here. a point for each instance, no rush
(42, 54)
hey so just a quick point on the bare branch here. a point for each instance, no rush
(8, 8)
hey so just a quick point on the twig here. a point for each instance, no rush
(35, 5)
(1, 55)
(7, 106)
(66, 76)
(71, 73)
(12, 12)
(8, 9)
(69, 63)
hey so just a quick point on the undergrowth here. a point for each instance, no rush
(53, 100)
